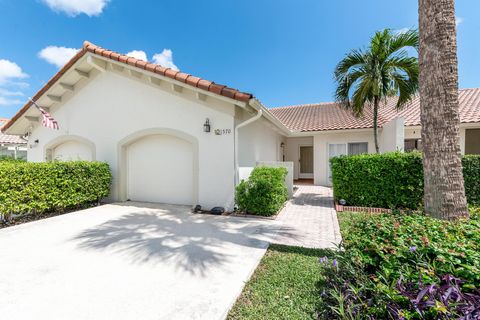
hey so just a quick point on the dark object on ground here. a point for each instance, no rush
(197, 209)
(217, 210)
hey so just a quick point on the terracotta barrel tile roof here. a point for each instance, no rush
(173, 74)
(330, 116)
(7, 138)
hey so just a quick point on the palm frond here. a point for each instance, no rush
(354, 59)
(403, 40)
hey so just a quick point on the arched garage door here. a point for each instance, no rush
(160, 169)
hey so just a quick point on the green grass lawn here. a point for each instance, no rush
(291, 283)
(284, 286)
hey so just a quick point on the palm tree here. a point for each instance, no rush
(444, 193)
(384, 70)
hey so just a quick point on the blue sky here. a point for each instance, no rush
(283, 51)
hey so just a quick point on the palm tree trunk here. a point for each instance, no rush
(444, 193)
(375, 124)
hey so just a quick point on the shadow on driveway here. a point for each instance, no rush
(168, 233)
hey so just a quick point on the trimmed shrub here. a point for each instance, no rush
(471, 174)
(392, 180)
(264, 193)
(389, 180)
(27, 187)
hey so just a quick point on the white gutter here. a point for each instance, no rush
(238, 126)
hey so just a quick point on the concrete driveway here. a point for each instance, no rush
(129, 261)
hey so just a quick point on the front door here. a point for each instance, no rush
(306, 162)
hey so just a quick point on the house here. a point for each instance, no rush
(175, 138)
(11, 145)
(327, 130)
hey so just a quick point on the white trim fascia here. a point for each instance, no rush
(462, 125)
(294, 134)
(172, 81)
(256, 104)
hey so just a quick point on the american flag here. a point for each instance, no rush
(47, 120)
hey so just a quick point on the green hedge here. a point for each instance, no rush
(471, 174)
(41, 187)
(391, 180)
(264, 193)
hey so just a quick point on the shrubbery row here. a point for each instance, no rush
(264, 193)
(392, 180)
(49, 186)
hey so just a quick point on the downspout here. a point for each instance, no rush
(238, 126)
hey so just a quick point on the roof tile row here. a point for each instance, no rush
(170, 73)
(331, 116)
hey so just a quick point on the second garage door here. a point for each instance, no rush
(160, 169)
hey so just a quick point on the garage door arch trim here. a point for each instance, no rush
(123, 145)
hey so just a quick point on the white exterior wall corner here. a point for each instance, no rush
(111, 107)
(259, 141)
(320, 150)
(392, 135)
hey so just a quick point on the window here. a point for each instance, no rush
(412, 144)
(357, 148)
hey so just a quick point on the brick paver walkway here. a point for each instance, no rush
(309, 219)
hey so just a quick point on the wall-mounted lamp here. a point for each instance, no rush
(34, 144)
(206, 126)
(282, 145)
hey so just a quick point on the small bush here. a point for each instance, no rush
(41, 187)
(397, 266)
(392, 180)
(264, 193)
(471, 174)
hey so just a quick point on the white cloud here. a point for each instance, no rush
(402, 30)
(75, 7)
(58, 56)
(9, 93)
(10, 70)
(458, 20)
(6, 101)
(165, 59)
(138, 54)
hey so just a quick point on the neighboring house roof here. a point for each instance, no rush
(186, 78)
(7, 138)
(331, 116)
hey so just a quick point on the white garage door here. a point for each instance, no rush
(160, 169)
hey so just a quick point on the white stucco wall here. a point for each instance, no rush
(292, 151)
(112, 107)
(72, 151)
(416, 133)
(392, 135)
(321, 142)
(258, 141)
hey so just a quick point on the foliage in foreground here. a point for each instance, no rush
(392, 180)
(403, 267)
(43, 187)
(264, 193)
(284, 286)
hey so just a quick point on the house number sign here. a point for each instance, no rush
(220, 132)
